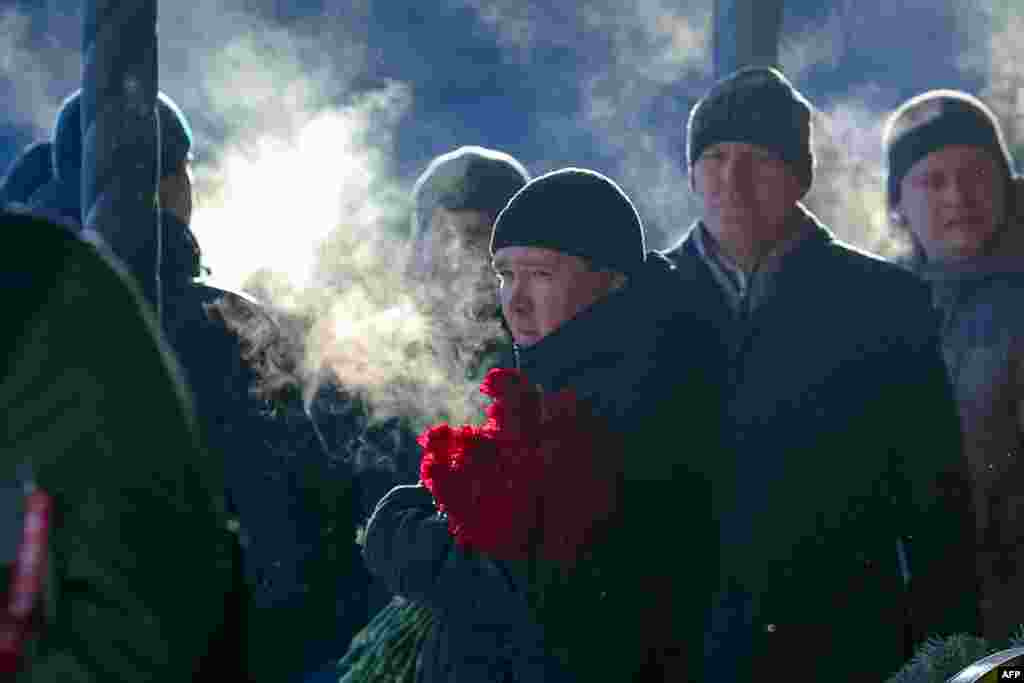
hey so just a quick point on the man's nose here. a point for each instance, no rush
(735, 173)
(518, 296)
(960, 189)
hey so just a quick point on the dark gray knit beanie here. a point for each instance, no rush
(758, 106)
(175, 137)
(936, 119)
(468, 178)
(575, 211)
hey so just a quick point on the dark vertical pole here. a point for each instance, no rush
(120, 134)
(746, 33)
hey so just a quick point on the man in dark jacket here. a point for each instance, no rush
(455, 202)
(951, 190)
(576, 300)
(62, 194)
(843, 503)
(141, 574)
(289, 491)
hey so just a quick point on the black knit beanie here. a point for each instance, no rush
(578, 212)
(933, 120)
(758, 106)
(175, 138)
(468, 178)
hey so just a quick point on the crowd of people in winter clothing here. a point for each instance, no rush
(762, 452)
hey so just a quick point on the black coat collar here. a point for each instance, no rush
(617, 330)
(689, 264)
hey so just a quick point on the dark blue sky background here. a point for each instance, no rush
(592, 84)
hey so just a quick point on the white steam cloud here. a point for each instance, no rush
(301, 207)
(653, 52)
(634, 63)
(39, 66)
(998, 59)
(297, 200)
(848, 193)
(272, 199)
(820, 44)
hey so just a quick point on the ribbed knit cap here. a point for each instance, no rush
(936, 119)
(575, 211)
(175, 138)
(758, 106)
(468, 178)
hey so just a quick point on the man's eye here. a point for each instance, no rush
(930, 181)
(544, 274)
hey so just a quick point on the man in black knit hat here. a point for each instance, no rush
(455, 202)
(837, 517)
(292, 501)
(951, 190)
(576, 287)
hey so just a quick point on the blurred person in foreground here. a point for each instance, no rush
(528, 536)
(843, 505)
(951, 189)
(138, 579)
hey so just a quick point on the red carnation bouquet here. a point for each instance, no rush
(536, 480)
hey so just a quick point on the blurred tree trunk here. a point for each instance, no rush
(120, 134)
(1005, 89)
(746, 33)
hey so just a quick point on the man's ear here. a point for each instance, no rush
(175, 192)
(618, 281)
(896, 216)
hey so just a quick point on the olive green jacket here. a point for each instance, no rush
(140, 554)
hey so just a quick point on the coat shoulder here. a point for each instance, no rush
(876, 275)
(675, 253)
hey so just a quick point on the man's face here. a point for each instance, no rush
(457, 239)
(176, 192)
(954, 201)
(455, 260)
(747, 191)
(540, 289)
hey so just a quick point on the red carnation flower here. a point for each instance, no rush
(515, 411)
(534, 453)
(439, 439)
(501, 383)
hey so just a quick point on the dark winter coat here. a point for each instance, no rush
(140, 564)
(615, 356)
(637, 359)
(292, 498)
(844, 438)
(983, 343)
(484, 630)
(58, 199)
